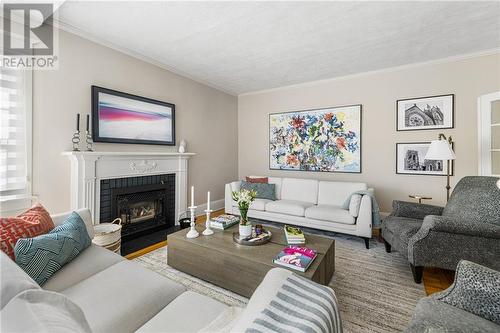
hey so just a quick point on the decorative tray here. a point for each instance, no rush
(265, 237)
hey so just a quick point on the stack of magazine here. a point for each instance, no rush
(224, 221)
(294, 235)
(295, 257)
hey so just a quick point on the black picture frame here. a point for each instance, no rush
(95, 117)
(452, 164)
(398, 129)
(319, 109)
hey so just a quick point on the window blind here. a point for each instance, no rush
(15, 132)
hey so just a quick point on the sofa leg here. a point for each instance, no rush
(417, 272)
(367, 242)
(387, 246)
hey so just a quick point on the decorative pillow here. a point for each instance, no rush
(44, 255)
(354, 204)
(257, 179)
(33, 222)
(264, 191)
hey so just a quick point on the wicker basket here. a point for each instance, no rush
(108, 235)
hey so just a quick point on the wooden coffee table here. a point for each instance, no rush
(221, 261)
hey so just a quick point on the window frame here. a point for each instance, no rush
(14, 203)
(484, 132)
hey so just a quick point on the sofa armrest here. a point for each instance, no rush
(414, 210)
(475, 290)
(463, 227)
(84, 213)
(283, 294)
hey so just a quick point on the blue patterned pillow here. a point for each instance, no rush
(264, 190)
(44, 255)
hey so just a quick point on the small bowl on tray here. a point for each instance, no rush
(249, 241)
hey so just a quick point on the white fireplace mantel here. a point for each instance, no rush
(89, 168)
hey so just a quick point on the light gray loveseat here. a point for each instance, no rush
(100, 291)
(470, 305)
(313, 204)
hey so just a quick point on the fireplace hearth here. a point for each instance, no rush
(146, 205)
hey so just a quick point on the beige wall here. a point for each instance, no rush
(205, 117)
(378, 92)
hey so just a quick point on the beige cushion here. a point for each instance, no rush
(91, 261)
(39, 310)
(224, 322)
(189, 312)
(13, 280)
(330, 213)
(84, 214)
(336, 193)
(305, 190)
(277, 185)
(123, 297)
(354, 204)
(259, 204)
(289, 207)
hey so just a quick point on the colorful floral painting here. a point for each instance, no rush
(316, 140)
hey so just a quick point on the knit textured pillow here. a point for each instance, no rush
(264, 191)
(40, 257)
(33, 222)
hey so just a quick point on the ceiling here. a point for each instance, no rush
(241, 47)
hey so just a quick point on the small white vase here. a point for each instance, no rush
(182, 147)
(245, 230)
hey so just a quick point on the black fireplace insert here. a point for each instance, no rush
(145, 204)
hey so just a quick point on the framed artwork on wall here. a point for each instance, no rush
(119, 117)
(410, 160)
(327, 140)
(425, 113)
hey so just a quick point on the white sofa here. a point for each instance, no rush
(100, 291)
(313, 204)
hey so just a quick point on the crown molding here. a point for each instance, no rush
(379, 71)
(101, 41)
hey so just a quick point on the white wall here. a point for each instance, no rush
(205, 117)
(377, 92)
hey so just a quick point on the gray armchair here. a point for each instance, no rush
(468, 227)
(471, 304)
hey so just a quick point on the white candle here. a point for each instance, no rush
(208, 200)
(192, 196)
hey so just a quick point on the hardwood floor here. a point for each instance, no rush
(437, 279)
(434, 279)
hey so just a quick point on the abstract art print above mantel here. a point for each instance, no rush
(119, 117)
(425, 113)
(327, 140)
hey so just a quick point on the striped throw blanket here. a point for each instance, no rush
(299, 306)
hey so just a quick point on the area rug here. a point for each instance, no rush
(375, 289)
